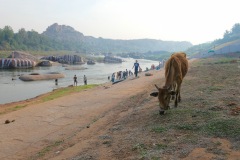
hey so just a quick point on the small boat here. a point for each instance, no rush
(117, 81)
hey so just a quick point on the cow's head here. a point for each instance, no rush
(164, 95)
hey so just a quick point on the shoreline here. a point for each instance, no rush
(13, 106)
(18, 90)
(16, 105)
(69, 86)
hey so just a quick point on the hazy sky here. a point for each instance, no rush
(197, 21)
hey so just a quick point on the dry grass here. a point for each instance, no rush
(209, 94)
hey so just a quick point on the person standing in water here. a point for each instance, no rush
(85, 80)
(75, 80)
(56, 82)
(136, 66)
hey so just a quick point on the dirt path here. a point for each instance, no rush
(121, 121)
(67, 120)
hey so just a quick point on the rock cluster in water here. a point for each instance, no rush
(111, 59)
(18, 60)
(65, 59)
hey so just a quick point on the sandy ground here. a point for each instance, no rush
(104, 123)
(74, 119)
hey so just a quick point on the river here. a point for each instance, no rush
(17, 90)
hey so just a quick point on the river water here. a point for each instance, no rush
(16, 90)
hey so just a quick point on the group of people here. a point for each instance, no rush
(75, 80)
(119, 75)
(124, 74)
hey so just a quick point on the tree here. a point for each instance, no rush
(8, 33)
(226, 34)
(21, 36)
(236, 29)
(6, 38)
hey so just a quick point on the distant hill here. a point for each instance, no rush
(65, 38)
(230, 43)
(63, 33)
(75, 40)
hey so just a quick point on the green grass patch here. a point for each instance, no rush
(54, 53)
(141, 148)
(212, 61)
(228, 128)
(176, 115)
(18, 107)
(158, 129)
(161, 146)
(205, 114)
(65, 91)
(224, 60)
(204, 121)
(5, 54)
(187, 126)
(214, 88)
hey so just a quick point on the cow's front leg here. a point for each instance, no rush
(173, 89)
(176, 100)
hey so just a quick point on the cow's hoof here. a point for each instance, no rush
(161, 112)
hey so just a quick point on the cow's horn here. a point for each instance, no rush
(156, 86)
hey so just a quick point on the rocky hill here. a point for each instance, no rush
(76, 40)
(63, 33)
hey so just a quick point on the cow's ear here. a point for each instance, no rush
(154, 94)
(172, 93)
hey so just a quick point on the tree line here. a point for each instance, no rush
(26, 40)
(68, 39)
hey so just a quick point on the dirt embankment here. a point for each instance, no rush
(121, 121)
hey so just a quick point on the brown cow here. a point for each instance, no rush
(175, 70)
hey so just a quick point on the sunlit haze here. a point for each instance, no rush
(196, 21)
